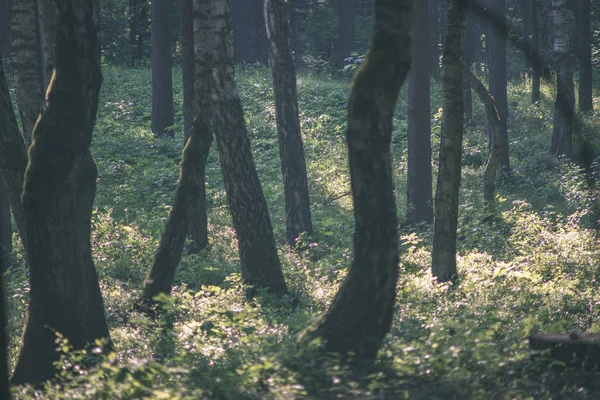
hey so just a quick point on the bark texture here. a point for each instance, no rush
(190, 193)
(186, 10)
(585, 56)
(291, 149)
(4, 386)
(162, 85)
(448, 182)
(259, 260)
(419, 180)
(346, 31)
(26, 62)
(58, 196)
(434, 38)
(565, 93)
(5, 228)
(249, 35)
(47, 16)
(361, 313)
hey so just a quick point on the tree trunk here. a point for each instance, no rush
(162, 85)
(26, 62)
(58, 196)
(142, 28)
(497, 34)
(434, 39)
(585, 57)
(291, 148)
(4, 386)
(5, 22)
(361, 313)
(418, 193)
(448, 183)
(471, 41)
(249, 33)
(533, 41)
(132, 20)
(258, 255)
(190, 194)
(565, 92)
(5, 228)
(298, 29)
(346, 31)
(48, 16)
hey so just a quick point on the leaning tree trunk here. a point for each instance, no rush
(419, 181)
(361, 313)
(585, 57)
(47, 15)
(58, 196)
(259, 260)
(190, 194)
(26, 63)
(448, 183)
(291, 148)
(162, 84)
(4, 386)
(565, 93)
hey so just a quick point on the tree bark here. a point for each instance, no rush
(5, 228)
(434, 38)
(162, 85)
(565, 93)
(419, 180)
(249, 32)
(291, 148)
(448, 183)
(361, 313)
(585, 57)
(26, 62)
(4, 386)
(497, 34)
(48, 16)
(346, 31)
(259, 260)
(58, 197)
(190, 194)
(471, 41)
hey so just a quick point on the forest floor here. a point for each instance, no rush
(532, 266)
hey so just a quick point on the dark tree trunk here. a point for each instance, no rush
(58, 196)
(142, 28)
(249, 33)
(346, 31)
(497, 34)
(4, 386)
(5, 228)
(186, 8)
(5, 22)
(47, 16)
(291, 148)
(418, 194)
(361, 313)
(133, 16)
(533, 41)
(471, 41)
(298, 29)
(565, 91)
(448, 183)
(434, 39)
(26, 62)
(189, 203)
(162, 85)
(575, 350)
(585, 57)
(258, 255)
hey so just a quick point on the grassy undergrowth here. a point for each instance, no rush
(533, 266)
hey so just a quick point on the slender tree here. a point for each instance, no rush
(5, 22)
(565, 93)
(533, 55)
(299, 11)
(162, 85)
(471, 41)
(585, 56)
(497, 35)
(361, 313)
(419, 181)
(5, 228)
(434, 38)
(190, 194)
(4, 386)
(58, 197)
(259, 261)
(448, 182)
(249, 34)
(291, 148)
(346, 30)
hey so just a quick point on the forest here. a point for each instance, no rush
(289, 199)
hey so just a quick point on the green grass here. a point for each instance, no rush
(532, 267)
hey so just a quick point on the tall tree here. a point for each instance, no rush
(533, 44)
(471, 42)
(4, 386)
(162, 85)
(26, 61)
(58, 197)
(585, 56)
(5, 18)
(496, 41)
(434, 38)
(565, 92)
(291, 148)
(190, 194)
(346, 30)
(259, 260)
(418, 189)
(448, 182)
(5, 228)
(298, 11)
(249, 33)
(47, 20)
(361, 313)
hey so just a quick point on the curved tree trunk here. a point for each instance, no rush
(259, 260)
(162, 84)
(291, 148)
(190, 194)
(48, 16)
(419, 181)
(565, 93)
(4, 386)
(26, 62)
(58, 196)
(448, 183)
(361, 313)
(585, 56)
